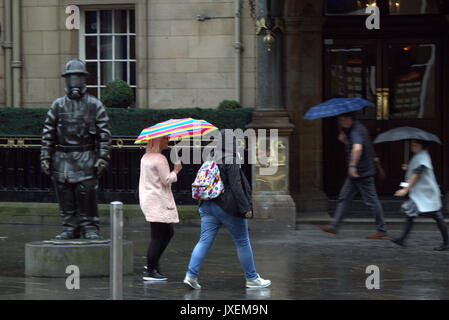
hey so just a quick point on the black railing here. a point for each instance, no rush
(21, 179)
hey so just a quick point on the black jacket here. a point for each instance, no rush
(236, 199)
(76, 133)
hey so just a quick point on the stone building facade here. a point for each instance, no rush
(176, 60)
(178, 53)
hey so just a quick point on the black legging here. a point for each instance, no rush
(161, 233)
(437, 216)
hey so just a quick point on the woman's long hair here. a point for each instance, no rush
(154, 146)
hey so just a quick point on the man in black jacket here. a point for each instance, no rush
(76, 145)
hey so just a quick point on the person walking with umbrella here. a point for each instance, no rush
(360, 161)
(361, 172)
(421, 185)
(157, 203)
(155, 195)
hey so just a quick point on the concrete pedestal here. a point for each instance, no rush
(51, 258)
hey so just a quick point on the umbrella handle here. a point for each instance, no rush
(406, 151)
(176, 159)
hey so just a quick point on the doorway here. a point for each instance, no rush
(403, 80)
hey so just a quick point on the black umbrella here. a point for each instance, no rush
(406, 133)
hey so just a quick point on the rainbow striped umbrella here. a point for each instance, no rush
(176, 129)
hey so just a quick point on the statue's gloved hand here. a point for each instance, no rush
(45, 166)
(101, 166)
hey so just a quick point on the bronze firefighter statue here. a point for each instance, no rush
(76, 146)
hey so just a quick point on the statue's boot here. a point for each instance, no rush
(67, 210)
(66, 235)
(91, 235)
(70, 227)
(86, 193)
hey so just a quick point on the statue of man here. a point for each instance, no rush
(76, 146)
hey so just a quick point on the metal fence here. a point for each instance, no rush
(21, 179)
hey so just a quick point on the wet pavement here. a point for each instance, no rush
(302, 264)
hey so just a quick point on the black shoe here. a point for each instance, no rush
(156, 268)
(67, 235)
(398, 241)
(442, 247)
(153, 275)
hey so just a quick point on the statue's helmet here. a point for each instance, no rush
(75, 66)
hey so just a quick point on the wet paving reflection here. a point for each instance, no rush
(302, 264)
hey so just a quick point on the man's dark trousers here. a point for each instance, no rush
(367, 189)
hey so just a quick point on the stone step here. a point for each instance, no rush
(357, 218)
(391, 208)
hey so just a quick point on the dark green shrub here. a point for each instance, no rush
(130, 122)
(229, 104)
(117, 94)
(22, 121)
(124, 122)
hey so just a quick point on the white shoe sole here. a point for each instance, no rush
(259, 286)
(191, 285)
(154, 279)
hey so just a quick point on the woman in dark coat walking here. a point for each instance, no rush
(230, 209)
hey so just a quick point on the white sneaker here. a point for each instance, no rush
(192, 283)
(258, 283)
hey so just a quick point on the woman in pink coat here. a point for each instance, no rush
(157, 203)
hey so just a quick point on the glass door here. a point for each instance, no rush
(411, 97)
(351, 70)
(402, 79)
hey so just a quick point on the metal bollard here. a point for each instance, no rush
(116, 251)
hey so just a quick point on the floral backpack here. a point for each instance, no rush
(208, 184)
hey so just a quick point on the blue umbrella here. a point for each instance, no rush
(335, 107)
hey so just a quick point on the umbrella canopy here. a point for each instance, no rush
(335, 107)
(176, 129)
(406, 133)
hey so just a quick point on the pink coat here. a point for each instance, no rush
(155, 196)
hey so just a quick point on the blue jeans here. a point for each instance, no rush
(212, 218)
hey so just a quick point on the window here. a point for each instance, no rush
(107, 45)
(395, 7)
(415, 6)
(400, 78)
(412, 81)
(347, 7)
(352, 74)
